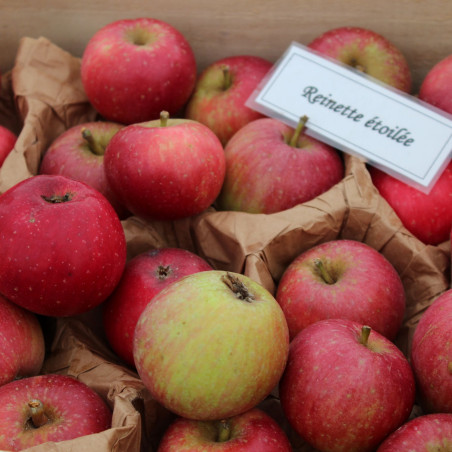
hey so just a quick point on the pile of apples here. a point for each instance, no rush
(211, 345)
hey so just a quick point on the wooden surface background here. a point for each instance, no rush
(219, 28)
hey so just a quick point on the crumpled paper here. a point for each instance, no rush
(42, 96)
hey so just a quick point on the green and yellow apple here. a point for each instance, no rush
(212, 345)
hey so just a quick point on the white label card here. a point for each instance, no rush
(355, 113)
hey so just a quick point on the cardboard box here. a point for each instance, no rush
(42, 96)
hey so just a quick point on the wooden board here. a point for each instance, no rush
(221, 28)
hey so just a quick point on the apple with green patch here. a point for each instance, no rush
(212, 345)
(144, 276)
(367, 51)
(271, 167)
(221, 91)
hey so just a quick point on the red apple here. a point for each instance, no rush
(427, 216)
(219, 97)
(345, 387)
(211, 346)
(144, 276)
(427, 433)
(7, 141)
(252, 431)
(78, 153)
(166, 169)
(21, 342)
(44, 408)
(132, 69)
(271, 167)
(63, 247)
(367, 51)
(431, 356)
(342, 279)
(435, 87)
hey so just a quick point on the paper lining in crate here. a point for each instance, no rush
(44, 91)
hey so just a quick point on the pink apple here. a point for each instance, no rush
(342, 279)
(144, 276)
(345, 387)
(367, 51)
(166, 169)
(252, 431)
(132, 69)
(211, 346)
(21, 342)
(219, 97)
(425, 433)
(427, 216)
(51, 407)
(431, 356)
(78, 153)
(435, 87)
(7, 141)
(271, 167)
(63, 247)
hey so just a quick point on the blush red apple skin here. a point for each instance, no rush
(427, 216)
(252, 431)
(341, 395)
(165, 172)
(22, 347)
(435, 88)
(58, 258)
(212, 345)
(144, 276)
(73, 409)
(366, 288)
(7, 141)
(70, 155)
(431, 356)
(367, 51)
(425, 433)
(265, 174)
(222, 108)
(132, 69)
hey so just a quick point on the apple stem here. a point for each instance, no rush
(237, 286)
(56, 199)
(227, 79)
(37, 415)
(365, 332)
(224, 431)
(163, 271)
(164, 116)
(324, 274)
(94, 145)
(300, 126)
